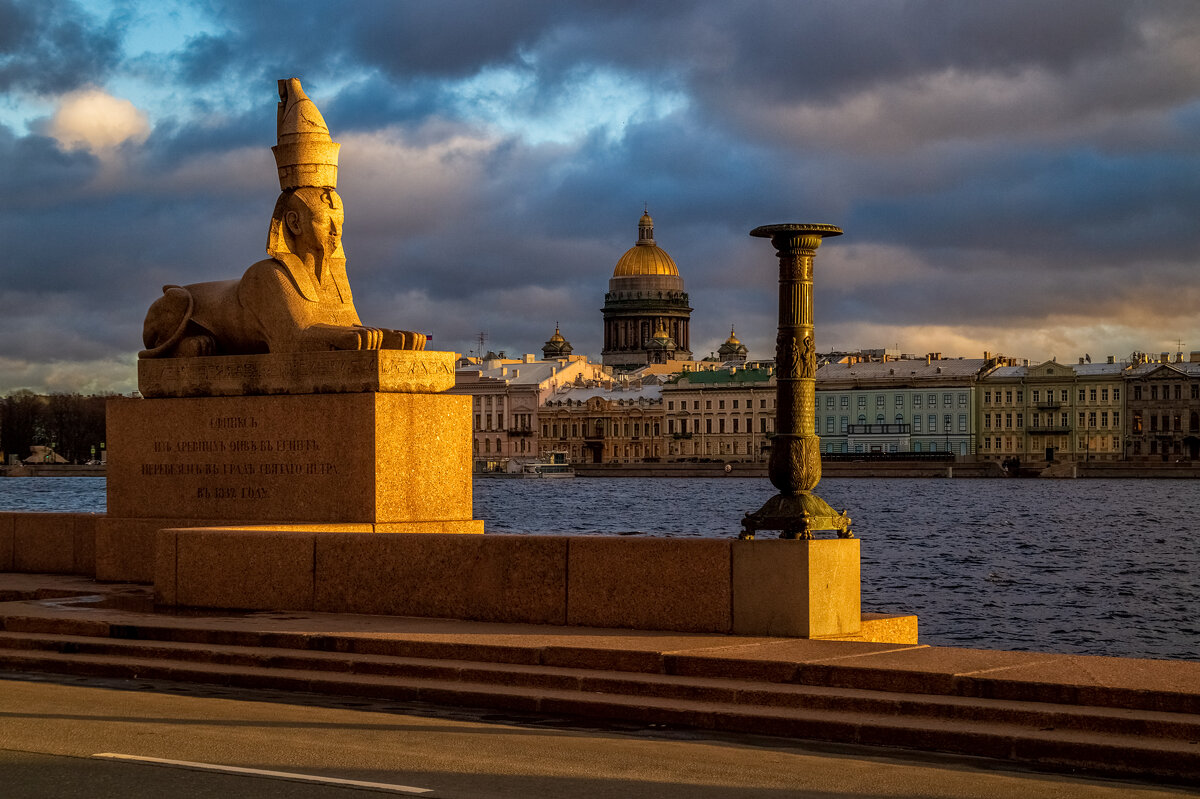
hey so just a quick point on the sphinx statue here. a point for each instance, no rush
(298, 299)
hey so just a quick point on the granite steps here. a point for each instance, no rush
(603, 675)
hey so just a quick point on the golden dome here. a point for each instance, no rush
(733, 339)
(645, 257)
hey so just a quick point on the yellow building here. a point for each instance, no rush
(613, 424)
(723, 414)
(507, 396)
(1053, 412)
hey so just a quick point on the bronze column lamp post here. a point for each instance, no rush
(795, 463)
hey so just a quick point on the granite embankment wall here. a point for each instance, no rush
(828, 469)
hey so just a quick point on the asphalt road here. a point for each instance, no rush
(52, 729)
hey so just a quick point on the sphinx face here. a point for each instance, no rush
(325, 219)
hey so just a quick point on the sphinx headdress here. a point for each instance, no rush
(305, 154)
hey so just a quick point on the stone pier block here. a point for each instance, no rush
(649, 583)
(807, 589)
(237, 568)
(483, 578)
(7, 524)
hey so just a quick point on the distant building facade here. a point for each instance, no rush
(1051, 412)
(507, 395)
(1163, 406)
(720, 414)
(646, 311)
(605, 424)
(902, 405)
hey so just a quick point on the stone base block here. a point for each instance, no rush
(127, 549)
(649, 584)
(61, 543)
(8, 523)
(335, 372)
(483, 578)
(807, 588)
(884, 628)
(374, 458)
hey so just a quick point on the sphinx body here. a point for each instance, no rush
(299, 298)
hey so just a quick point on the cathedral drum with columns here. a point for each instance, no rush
(646, 311)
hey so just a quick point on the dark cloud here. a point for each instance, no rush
(53, 46)
(996, 166)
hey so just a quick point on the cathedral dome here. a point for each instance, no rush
(645, 257)
(556, 347)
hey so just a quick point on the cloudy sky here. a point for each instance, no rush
(1020, 177)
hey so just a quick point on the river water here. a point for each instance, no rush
(1100, 567)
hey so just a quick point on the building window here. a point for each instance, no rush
(708, 405)
(735, 424)
(1008, 398)
(1037, 395)
(1063, 395)
(987, 421)
(735, 405)
(720, 425)
(844, 402)
(916, 400)
(1116, 395)
(932, 423)
(962, 400)
(708, 425)
(844, 422)
(962, 422)
(1008, 421)
(1091, 418)
(670, 426)
(1081, 393)
(721, 405)
(671, 405)
(862, 400)
(1154, 392)
(1020, 420)
(1104, 418)
(878, 400)
(899, 401)
(916, 424)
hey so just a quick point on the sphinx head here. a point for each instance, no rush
(307, 220)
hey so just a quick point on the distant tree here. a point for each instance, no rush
(22, 422)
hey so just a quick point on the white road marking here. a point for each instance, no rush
(258, 772)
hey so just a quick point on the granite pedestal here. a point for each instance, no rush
(394, 458)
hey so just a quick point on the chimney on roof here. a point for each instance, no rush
(1113, 358)
(928, 358)
(1166, 357)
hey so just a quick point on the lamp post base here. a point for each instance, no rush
(796, 516)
